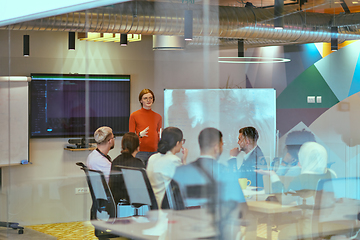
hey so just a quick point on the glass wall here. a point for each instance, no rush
(287, 108)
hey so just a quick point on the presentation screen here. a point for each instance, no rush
(58, 104)
(228, 110)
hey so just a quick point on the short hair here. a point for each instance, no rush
(145, 91)
(102, 133)
(130, 142)
(169, 137)
(296, 139)
(250, 133)
(208, 138)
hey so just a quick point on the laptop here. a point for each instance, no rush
(286, 180)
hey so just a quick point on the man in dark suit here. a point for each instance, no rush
(207, 183)
(253, 159)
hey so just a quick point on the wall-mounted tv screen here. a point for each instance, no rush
(58, 104)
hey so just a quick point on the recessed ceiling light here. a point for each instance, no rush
(355, 2)
(252, 60)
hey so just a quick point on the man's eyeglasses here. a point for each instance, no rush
(113, 137)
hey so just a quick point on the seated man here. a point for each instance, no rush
(210, 185)
(253, 159)
(98, 159)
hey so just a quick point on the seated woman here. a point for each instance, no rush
(161, 166)
(313, 163)
(130, 146)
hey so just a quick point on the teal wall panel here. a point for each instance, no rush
(308, 83)
(338, 69)
(355, 84)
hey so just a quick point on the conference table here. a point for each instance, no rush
(260, 207)
(187, 224)
(162, 224)
(197, 223)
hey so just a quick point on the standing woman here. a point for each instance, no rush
(146, 124)
(130, 147)
(162, 165)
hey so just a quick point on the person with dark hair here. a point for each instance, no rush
(146, 124)
(294, 141)
(99, 158)
(207, 184)
(161, 166)
(130, 147)
(254, 157)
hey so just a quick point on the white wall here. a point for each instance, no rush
(44, 192)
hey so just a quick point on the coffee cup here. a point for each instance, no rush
(244, 182)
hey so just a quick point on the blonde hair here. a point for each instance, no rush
(101, 134)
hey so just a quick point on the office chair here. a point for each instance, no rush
(173, 198)
(13, 225)
(103, 206)
(336, 207)
(198, 189)
(138, 187)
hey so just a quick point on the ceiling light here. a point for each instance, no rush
(123, 40)
(71, 45)
(334, 39)
(26, 44)
(355, 2)
(278, 14)
(241, 51)
(163, 42)
(188, 25)
(252, 60)
(107, 37)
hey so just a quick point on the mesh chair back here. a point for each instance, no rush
(138, 187)
(103, 207)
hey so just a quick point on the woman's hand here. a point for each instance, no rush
(185, 152)
(144, 132)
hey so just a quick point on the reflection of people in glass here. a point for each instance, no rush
(130, 147)
(177, 112)
(205, 182)
(294, 140)
(162, 165)
(313, 163)
(146, 124)
(253, 159)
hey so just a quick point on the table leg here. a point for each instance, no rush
(269, 226)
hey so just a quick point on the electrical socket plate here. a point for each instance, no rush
(81, 190)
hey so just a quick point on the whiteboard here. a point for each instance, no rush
(228, 110)
(14, 137)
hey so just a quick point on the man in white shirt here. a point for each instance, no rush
(99, 158)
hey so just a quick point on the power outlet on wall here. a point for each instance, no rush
(81, 190)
